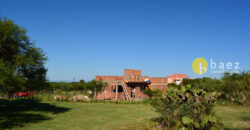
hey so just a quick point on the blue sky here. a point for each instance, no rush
(87, 38)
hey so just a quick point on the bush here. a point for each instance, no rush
(152, 92)
(184, 107)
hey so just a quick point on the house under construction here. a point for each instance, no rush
(131, 85)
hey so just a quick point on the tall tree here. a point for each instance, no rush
(82, 85)
(21, 63)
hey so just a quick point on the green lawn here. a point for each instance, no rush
(65, 115)
(97, 116)
(234, 117)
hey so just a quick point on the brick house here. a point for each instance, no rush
(131, 85)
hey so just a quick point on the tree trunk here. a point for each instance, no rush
(116, 92)
(49, 95)
(104, 94)
(139, 93)
(9, 94)
(95, 94)
(36, 95)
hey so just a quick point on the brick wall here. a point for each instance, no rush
(134, 75)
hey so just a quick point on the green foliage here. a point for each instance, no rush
(174, 85)
(207, 84)
(152, 92)
(21, 63)
(10, 81)
(185, 107)
(236, 87)
(82, 86)
(66, 86)
(232, 87)
(96, 85)
(148, 92)
(91, 85)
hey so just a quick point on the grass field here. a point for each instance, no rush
(234, 117)
(19, 114)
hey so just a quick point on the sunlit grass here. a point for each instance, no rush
(97, 116)
(68, 115)
(234, 117)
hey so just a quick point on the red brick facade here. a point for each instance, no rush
(131, 85)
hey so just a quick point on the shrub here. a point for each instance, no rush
(152, 92)
(234, 88)
(184, 107)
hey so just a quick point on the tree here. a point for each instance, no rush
(205, 83)
(10, 81)
(236, 87)
(96, 86)
(21, 63)
(91, 85)
(81, 85)
(152, 92)
(232, 87)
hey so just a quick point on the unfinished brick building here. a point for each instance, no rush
(131, 85)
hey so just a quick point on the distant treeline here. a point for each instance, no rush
(232, 87)
(92, 86)
(77, 86)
